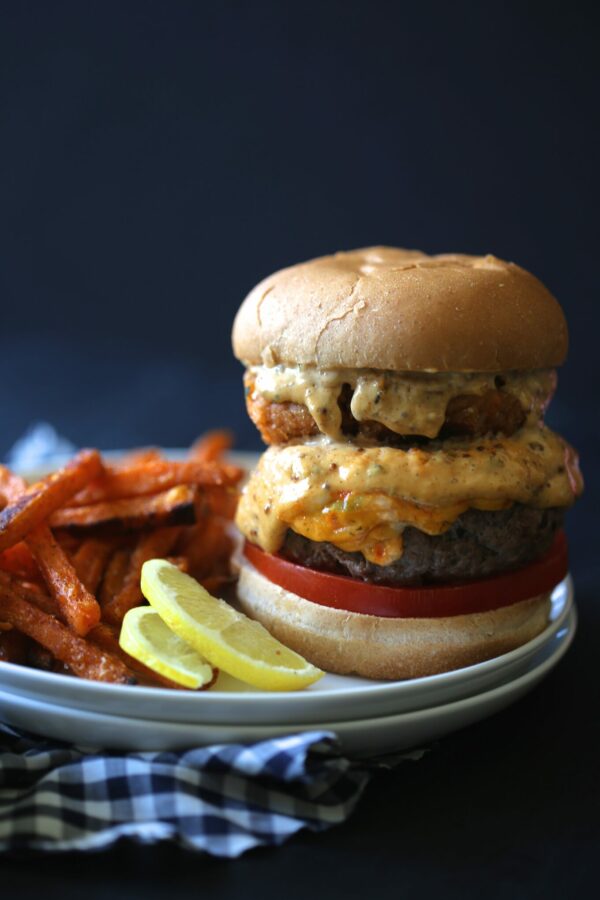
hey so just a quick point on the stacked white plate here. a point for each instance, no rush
(369, 717)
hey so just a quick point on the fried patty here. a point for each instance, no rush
(478, 544)
(495, 411)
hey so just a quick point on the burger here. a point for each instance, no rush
(406, 518)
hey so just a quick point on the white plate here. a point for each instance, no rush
(369, 736)
(334, 697)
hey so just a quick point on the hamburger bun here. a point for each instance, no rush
(402, 310)
(349, 643)
(403, 398)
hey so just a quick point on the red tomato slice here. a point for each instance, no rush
(433, 601)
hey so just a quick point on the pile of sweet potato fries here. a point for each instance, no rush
(72, 547)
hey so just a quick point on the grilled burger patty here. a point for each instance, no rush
(478, 544)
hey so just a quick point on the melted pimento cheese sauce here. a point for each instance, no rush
(362, 498)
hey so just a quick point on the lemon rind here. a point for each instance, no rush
(141, 650)
(208, 643)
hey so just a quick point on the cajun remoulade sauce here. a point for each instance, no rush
(408, 403)
(362, 498)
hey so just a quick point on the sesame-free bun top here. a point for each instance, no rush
(402, 310)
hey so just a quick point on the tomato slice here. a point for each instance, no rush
(432, 601)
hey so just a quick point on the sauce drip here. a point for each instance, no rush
(362, 498)
(407, 403)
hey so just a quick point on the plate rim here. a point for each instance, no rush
(535, 673)
(370, 688)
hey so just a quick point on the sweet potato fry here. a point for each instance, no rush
(19, 561)
(182, 563)
(48, 578)
(221, 501)
(176, 506)
(68, 541)
(90, 561)
(11, 485)
(152, 477)
(82, 657)
(80, 608)
(41, 499)
(211, 446)
(156, 544)
(207, 546)
(114, 576)
(138, 457)
(32, 593)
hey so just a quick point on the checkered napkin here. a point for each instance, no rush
(222, 800)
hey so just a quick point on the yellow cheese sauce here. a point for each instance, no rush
(362, 498)
(405, 402)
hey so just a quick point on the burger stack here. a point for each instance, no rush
(406, 518)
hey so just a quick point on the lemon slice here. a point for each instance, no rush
(145, 636)
(228, 639)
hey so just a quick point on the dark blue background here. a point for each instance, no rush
(158, 158)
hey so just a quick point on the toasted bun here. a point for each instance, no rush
(354, 644)
(386, 308)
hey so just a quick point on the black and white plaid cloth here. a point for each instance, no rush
(222, 800)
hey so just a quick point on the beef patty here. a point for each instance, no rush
(478, 544)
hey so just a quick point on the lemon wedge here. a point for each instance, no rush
(228, 639)
(145, 636)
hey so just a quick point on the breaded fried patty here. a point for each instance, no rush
(474, 415)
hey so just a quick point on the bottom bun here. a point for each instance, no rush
(349, 643)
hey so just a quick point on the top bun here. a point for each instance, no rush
(402, 310)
